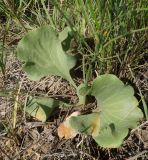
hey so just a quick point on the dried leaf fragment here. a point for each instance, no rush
(65, 130)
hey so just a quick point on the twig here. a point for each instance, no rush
(143, 124)
(16, 106)
(138, 155)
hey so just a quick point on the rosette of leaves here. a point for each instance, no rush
(43, 52)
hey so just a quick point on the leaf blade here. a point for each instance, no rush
(41, 108)
(118, 106)
(42, 52)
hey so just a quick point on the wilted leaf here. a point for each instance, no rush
(65, 130)
(43, 54)
(41, 108)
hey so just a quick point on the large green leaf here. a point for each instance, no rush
(43, 54)
(116, 108)
(41, 107)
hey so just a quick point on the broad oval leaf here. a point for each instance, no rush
(41, 107)
(116, 109)
(43, 54)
